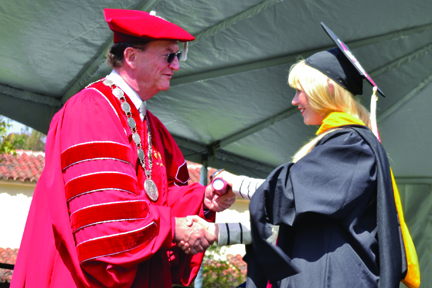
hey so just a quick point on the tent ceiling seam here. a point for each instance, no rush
(207, 151)
(246, 163)
(404, 99)
(196, 147)
(403, 60)
(236, 69)
(233, 20)
(389, 36)
(82, 80)
(29, 96)
(83, 77)
(290, 58)
(257, 127)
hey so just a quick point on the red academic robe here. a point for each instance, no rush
(91, 223)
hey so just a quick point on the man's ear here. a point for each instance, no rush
(129, 56)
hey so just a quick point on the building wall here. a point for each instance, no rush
(14, 187)
(15, 199)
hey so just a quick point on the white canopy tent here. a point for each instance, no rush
(229, 104)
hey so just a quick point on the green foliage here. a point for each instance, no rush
(28, 139)
(8, 143)
(218, 273)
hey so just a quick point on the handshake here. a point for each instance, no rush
(193, 234)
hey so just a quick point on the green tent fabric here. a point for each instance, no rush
(229, 105)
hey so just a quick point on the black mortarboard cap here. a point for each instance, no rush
(340, 65)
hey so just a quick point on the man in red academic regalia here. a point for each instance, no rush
(112, 201)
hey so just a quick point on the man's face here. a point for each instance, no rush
(154, 73)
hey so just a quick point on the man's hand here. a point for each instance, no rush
(216, 202)
(194, 234)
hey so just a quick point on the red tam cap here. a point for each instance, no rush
(135, 25)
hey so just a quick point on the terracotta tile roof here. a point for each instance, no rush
(7, 256)
(26, 166)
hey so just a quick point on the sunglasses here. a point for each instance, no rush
(170, 56)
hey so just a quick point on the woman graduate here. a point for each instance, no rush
(335, 204)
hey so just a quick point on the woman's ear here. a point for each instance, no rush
(129, 55)
(330, 87)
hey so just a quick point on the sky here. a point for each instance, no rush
(16, 126)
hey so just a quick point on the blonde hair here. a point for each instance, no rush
(322, 99)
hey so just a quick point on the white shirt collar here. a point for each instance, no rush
(118, 81)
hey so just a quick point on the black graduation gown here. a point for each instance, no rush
(326, 206)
